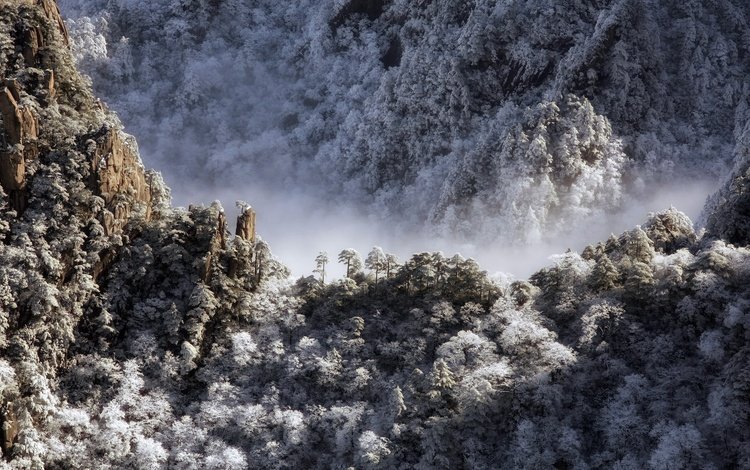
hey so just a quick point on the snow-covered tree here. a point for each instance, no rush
(351, 259)
(320, 265)
(376, 261)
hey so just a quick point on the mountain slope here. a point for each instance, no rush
(84, 228)
(486, 120)
(136, 335)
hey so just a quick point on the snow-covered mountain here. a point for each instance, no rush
(486, 120)
(138, 335)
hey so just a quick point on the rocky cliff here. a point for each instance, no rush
(78, 208)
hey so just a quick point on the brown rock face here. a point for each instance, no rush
(246, 225)
(118, 177)
(13, 86)
(218, 243)
(49, 83)
(13, 177)
(33, 38)
(244, 255)
(19, 122)
(21, 132)
(116, 167)
(8, 429)
(52, 12)
(221, 231)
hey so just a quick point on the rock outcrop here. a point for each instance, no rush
(52, 12)
(33, 38)
(221, 231)
(245, 256)
(117, 176)
(19, 122)
(82, 234)
(49, 84)
(218, 244)
(21, 132)
(8, 429)
(246, 225)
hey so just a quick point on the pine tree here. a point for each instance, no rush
(397, 402)
(639, 279)
(376, 261)
(422, 271)
(441, 267)
(604, 276)
(391, 264)
(442, 377)
(639, 247)
(320, 265)
(352, 260)
(612, 245)
(591, 252)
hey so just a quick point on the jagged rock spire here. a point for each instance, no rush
(246, 225)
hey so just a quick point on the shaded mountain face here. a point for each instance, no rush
(729, 210)
(137, 335)
(485, 120)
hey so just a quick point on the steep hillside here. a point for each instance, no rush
(136, 335)
(89, 237)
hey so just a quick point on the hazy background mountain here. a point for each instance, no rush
(451, 124)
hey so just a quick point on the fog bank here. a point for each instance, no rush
(299, 225)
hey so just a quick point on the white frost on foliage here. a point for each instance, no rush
(426, 112)
(7, 376)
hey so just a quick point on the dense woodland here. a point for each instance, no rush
(490, 120)
(138, 335)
